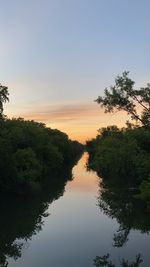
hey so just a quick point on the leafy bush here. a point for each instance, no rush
(31, 153)
(121, 155)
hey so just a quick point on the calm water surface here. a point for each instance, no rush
(73, 234)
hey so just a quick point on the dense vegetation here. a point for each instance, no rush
(30, 153)
(122, 156)
(33, 159)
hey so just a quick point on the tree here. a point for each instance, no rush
(123, 96)
(3, 97)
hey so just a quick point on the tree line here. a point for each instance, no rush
(30, 153)
(122, 156)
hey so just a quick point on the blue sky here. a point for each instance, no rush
(57, 56)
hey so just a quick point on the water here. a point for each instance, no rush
(76, 229)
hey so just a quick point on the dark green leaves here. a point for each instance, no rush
(123, 96)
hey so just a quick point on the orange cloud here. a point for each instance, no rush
(60, 113)
(80, 120)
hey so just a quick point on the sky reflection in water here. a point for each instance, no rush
(76, 230)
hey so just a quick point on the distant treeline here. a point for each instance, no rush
(122, 158)
(32, 155)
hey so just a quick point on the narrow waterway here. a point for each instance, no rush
(76, 230)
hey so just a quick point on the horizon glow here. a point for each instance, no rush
(58, 56)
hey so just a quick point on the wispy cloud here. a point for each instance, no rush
(80, 120)
(60, 113)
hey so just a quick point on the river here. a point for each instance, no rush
(73, 231)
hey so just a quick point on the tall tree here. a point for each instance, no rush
(123, 96)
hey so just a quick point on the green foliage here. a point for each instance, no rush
(119, 157)
(145, 190)
(26, 164)
(123, 96)
(121, 154)
(122, 158)
(31, 154)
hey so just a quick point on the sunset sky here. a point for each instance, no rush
(57, 56)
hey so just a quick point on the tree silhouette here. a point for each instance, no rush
(123, 96)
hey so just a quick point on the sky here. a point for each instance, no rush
(57, 56)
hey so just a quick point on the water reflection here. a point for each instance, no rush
(129, 211)
(77, 229)
(21, 218)
(106, 261)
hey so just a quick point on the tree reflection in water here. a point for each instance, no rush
(105, 261)
(22, 217)
(130, 212)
